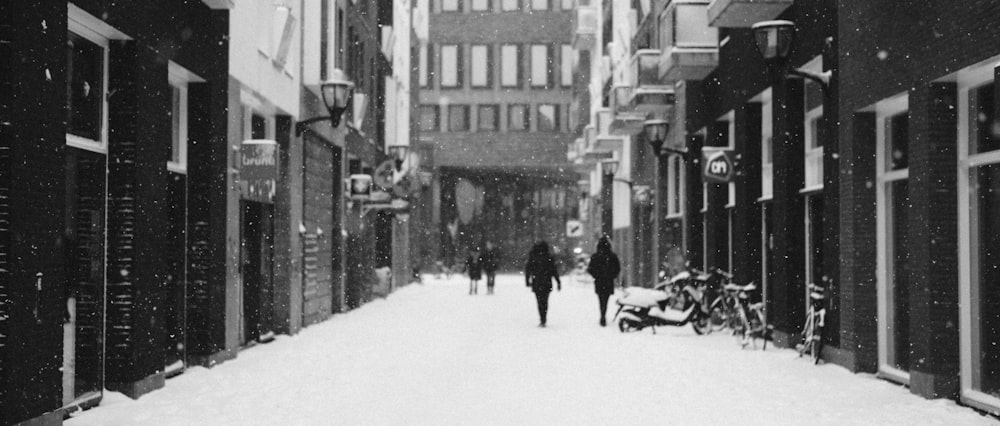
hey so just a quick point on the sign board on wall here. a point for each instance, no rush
(719, 164)
(258, 170)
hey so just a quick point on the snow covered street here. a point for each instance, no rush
(432, 354)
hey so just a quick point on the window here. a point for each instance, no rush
(510, 65)
(451, 66)
(426, 65)
(458, 118)
(86, 107)
(482, 63)
(539, 4)
(766, 146)
(548, 118)
(481, 5)
(179, 79)
(686, 25)
(567, 5)
(488, 118)
(814, 149)
(258, 127)
(517, 118)
(675, 186)
(429, 118)
(324, 38)
(540, 65)
(566, 65)
(451, 5)
(509, 5)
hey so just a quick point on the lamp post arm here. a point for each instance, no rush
(301, 126)
(823, 78)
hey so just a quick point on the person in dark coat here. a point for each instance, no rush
(604, 267)
(538, 274)
(490, 264)
(475, 270)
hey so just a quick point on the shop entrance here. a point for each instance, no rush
(257, 270)
(83, 327)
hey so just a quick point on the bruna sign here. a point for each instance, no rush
(258, 170)
(719, 165)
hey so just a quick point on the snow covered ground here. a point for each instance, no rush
(432, 354)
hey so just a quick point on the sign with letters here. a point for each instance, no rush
(719, 164)
(258, 170)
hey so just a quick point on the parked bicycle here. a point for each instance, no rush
(812, 332)
(747, 320)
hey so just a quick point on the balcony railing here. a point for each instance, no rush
(585, 27)
(744, 13)
(690, 46)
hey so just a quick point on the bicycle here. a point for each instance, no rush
(747, 321)
(812, 332)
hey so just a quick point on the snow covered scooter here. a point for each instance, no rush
(675, 302)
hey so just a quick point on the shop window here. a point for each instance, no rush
(451, 66)
(548, 118)
(482, 63)
(510, 65)
(540, 63)
(429, 118)
(487, 118)
(517, 118)
(675, 186)
(566, 65)
(458, 118)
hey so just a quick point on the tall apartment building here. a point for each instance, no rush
(496, 79)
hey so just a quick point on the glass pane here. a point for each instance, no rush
(449, 66)
(84, 87)
(899, 292)
(898, 135)
(458, 118)
(985, 191)
(511, 4)
(479, 66)
(677, 185)
(539, 4)
(487, 118)
(984, 125)
(423, 65)
(539, 65)
(175, 116)
(518, 117)
(509, 64)
(428, 118)
(449, 5)
(548, 118)
(566, 67)
(692, 26)
(480, 5)
(258, 127)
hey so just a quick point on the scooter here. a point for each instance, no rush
(675, 302)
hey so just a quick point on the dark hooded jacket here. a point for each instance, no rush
(604, 267)
(541, 269)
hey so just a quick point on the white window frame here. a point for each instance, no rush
(675, 187)
(884, 177)
(813, 154)
(90, 28)
(180, 78)
(970, 79)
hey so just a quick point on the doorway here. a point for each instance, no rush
(175, 309)
(257, 270)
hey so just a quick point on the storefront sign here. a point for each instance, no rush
(718, 164)
(258, 170)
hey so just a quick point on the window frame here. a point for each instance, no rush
(813, 154)
(465, 111)
(517, 66)
(458, 7)
(556, 122)
(437, 117)
(180, 79)
(527, 117)
(548, 5)
(496, 117)
(87, 32)
(566, 65)
(517, 6)
(489, 6)
(487, 67)
(675, 186)
(547, 66)
(458, 66)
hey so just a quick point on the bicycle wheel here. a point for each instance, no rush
(807, 333)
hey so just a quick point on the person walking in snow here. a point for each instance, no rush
(489, 262)
(538, 274)
(604, 267)
(475, 270)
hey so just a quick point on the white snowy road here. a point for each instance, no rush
(432, 354)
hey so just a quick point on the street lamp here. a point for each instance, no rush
(398, 152)
(336, 92)
(610, 167)
(774, 43)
